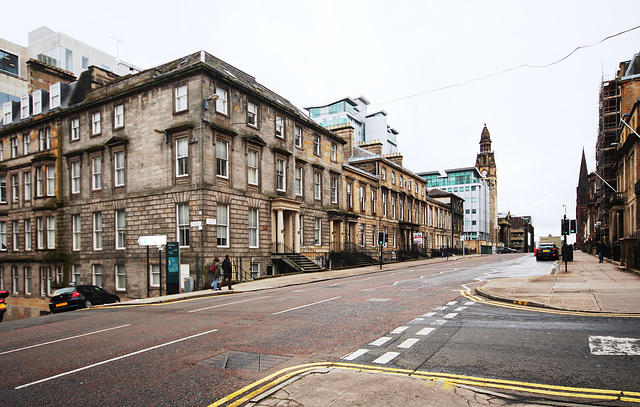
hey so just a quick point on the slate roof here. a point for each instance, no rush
(79, 91)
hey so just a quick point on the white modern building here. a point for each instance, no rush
(52, 48)
(468, 184)
(13, 68)
(368, 127)
(64, 52)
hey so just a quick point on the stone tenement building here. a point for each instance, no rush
(380, 195)
(195, 150)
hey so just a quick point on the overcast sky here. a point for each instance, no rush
(440, 69)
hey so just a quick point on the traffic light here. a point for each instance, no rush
(382, 238)
(564, 226)
(573, 226)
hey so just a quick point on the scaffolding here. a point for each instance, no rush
(608, 137)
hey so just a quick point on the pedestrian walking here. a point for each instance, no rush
(226, 272)
(600, 248)
(216, 271)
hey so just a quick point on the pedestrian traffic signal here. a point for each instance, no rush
(573, 226)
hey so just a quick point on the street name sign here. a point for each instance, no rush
(157, 240)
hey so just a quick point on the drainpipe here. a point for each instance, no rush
(203, 120)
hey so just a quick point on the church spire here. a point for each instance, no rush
(485, 140)
(582, 200)
(584, 172)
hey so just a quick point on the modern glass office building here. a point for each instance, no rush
(367, 127)
(468, 184)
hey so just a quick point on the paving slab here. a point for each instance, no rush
(340, 388)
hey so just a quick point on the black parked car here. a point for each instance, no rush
(81, 296)
(547, 251)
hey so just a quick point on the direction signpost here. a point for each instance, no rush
(155, 240)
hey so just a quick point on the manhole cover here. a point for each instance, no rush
(252, 362)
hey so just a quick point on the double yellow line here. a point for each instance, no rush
(271, 383)
(263, 385)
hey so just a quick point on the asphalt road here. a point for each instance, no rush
(198, 351)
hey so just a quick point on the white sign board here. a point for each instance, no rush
(157, 240)
(417, 238)
(210, 221)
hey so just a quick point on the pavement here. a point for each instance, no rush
(583, 285)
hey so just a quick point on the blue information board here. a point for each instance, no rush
(173, 267)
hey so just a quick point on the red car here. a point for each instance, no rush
(547, 251)
(3, 306)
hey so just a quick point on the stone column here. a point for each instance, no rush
(280, 231)
(296, 232)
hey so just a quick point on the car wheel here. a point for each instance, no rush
(537, 258)
(87, 304)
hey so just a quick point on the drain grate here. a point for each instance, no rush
(252, 362)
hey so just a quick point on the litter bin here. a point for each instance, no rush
(188, 284)
(567, 253)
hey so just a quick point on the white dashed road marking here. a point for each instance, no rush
(355, 354)
(399, 330)
(425, 331)
(229, 303)
(304, 306)
(408, 343)
(386, 358)
(64, 339)
(381, 341)
(73, 372)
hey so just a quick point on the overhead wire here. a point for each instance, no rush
(510, 69)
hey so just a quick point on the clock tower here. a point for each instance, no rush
(486, 165)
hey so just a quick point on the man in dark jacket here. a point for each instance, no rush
(226, 272)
